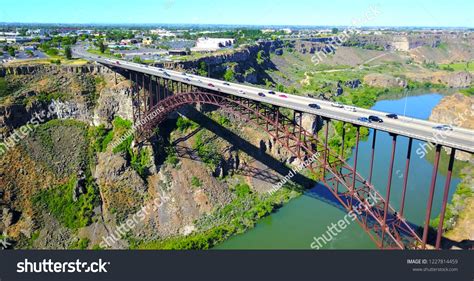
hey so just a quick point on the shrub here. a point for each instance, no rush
(183, 124)
(59, 202)
(195, 181)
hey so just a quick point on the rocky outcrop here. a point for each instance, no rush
(457, 80)
(456, 110)
(384, 81)
(112, 102)
(53, 69)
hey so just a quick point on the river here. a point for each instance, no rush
(294, 225)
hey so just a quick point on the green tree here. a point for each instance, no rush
(102, 47)
(11, 51)
(229, 75)
(137, 59)
(260, 57)
(334, 30)
(202, 70)
(68, 52)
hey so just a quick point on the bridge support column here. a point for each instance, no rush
(405, 177)
(342, 151)
(389, 186)
(354, 169)
(326, 147)
(299, 133)
(431, 196)
(373, 156)
(445, 198)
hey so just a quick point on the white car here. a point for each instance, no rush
(241, 92)
(350, 108)
(337, 104)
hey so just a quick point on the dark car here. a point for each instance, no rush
(227, 84)
(271, 92)
(364, 119)
(210, 85)
(392, 116)
(261, 94)
(315, 106)
(166, 74)
(117, 62)
(374, 118)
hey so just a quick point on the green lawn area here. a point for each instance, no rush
(458, 66)
(107, 53)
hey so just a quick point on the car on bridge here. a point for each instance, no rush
(183, 73)
(443, 128)
(261, 94)
(337, 104)
(241, 92)
(225, 83)
(374, 118)
(392, 116)
(187, 79)
(283, 96)
(364, 119)
(314, 106)
(117, 62)
(271, 92)
(166, 74)
(210, 85)
(350, 108)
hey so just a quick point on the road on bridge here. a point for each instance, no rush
(459, 138)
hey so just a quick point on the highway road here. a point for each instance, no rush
(459, 138)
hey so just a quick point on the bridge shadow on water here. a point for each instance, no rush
(313, 189)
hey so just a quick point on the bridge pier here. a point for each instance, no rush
(431, 196)
(405, 177)
(445, 199)
(389, 186)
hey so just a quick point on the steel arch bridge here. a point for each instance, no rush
(155, 97)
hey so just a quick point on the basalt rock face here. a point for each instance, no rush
(86, 93)
(457, 80)
(384, 81)
(456, 110)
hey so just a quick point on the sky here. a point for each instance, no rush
(432, 13)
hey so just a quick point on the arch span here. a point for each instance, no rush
(384, 226)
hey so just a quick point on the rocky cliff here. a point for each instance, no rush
(457, 110)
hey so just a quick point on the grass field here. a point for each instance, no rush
(458, 66)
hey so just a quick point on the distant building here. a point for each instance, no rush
(205, 44)
(14, 39)
(128, 41)
(180, 52)
(147, 41)
(162, 33)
